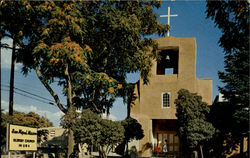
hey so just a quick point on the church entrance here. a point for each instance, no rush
(166, 141)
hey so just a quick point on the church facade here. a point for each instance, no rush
(154, 106)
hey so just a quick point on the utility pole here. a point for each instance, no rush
(1, 130)
(12, 76)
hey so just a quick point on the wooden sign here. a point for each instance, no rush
(22, 138)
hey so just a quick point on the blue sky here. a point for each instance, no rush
(190, 22)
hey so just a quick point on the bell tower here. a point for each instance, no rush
(154, 107)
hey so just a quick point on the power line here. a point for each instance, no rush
(35, 98)
(26, 86)
(51, 102)
(31, 97)
(31, 93)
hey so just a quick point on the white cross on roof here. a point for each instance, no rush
(168, 16)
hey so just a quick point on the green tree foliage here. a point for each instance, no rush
(89, 128)
(133, 131)
(232, 17)
(30, 119)
(112, 134)
(221, 117)
(88, 47)
(193, 128)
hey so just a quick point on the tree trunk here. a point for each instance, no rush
(70, 143)
(241, 147)
(131, 98)
(126, 148)
(70, 111)
(195, 154)
(12, 75)
(201, 149)
(108, 113)
(128, 109)
(102, 152)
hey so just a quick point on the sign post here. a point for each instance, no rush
(7, 139)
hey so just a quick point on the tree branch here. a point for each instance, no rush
(109, 149)
(95, 107)
(21, 44)
(6, 35)
(7, 47)
(105, 59)
(108, 113)
(103, 99)
(47, 86)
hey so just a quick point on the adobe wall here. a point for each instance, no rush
(148, 104)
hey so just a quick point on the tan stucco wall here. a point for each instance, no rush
(204, 89)
(148, 104)
(56, 136)
(58, 131)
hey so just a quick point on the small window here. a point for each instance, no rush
(166, 100)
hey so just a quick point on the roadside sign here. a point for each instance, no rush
(22, 138)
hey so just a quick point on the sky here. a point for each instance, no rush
(190, 22)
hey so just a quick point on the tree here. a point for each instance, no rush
(89, 47)
(17, 21)
(112, 135)
(222, 143)
(89, 128)
(100, 66)
(232, 17)
(30, 119)
(192, 126)
(133, 131)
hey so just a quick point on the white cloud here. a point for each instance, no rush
(25, 108)
(111, 117)
(58, 114)
(4, 104)
(52, 116)
(6, 55)
(33, 108)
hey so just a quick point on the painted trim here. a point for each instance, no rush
(162, 99)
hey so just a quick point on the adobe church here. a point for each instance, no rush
(154, 106)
